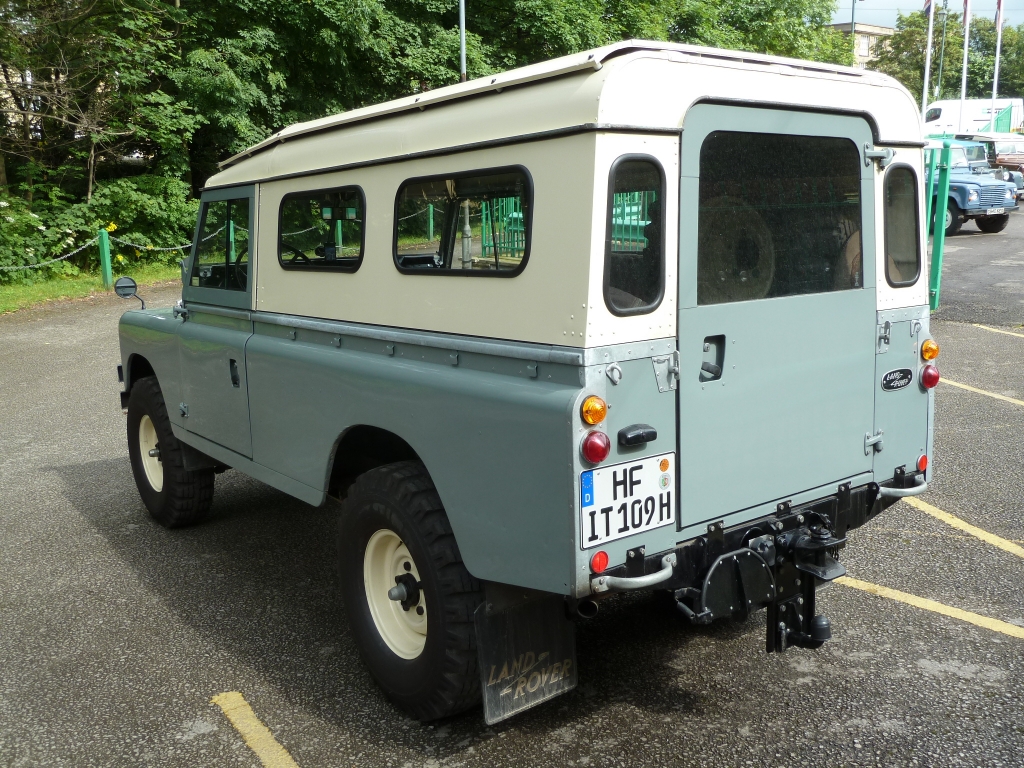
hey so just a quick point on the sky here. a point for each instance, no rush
(883, 12)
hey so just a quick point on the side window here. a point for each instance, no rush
(778, 215)
(467, 224)
(902, 238)
(321, 230)
(222, 254)
(634, 265)
(932, 115)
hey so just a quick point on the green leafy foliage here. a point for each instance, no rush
(116, 112)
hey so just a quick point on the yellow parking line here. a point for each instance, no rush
(930, 605)
(998, 330)
(997, 541)
(969, 388)
(256, 734)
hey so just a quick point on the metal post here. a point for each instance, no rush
(853, 29)
(942, 51)
(963, 73)
(105, 270)
(231, 241)
(939, 238)
(467, 238)
(995, 73)
(927, 58)
(462, 53)
(430, 222)
(933, 156)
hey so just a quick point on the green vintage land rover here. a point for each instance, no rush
(648, 317)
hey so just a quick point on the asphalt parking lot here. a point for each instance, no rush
(115, 633)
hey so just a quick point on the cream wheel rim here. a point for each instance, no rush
(385, 558)
(150, 454)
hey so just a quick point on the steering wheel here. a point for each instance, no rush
(240, 275)
(299, 255)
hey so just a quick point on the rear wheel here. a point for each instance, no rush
(419, 643)
(993, 224)
(173, 496)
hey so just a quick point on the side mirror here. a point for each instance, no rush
(126, 288)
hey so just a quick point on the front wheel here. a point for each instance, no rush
(173, 496)
(993, 224)
(954, 218)
(410, 599)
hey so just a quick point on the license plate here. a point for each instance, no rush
(994, 211)
(625, 499)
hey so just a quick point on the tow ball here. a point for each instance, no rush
(778, 572)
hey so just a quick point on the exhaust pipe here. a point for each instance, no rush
(586, 609)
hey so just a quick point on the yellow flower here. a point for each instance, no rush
(120, 257)
(111, 227)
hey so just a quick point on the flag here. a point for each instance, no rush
(927, 7)
(999, 13)
(967, 9)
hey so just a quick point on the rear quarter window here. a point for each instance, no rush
(902, 235)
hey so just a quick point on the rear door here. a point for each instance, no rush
(776, 310)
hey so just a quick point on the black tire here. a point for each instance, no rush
(443, 678)
(993, 224)
(183, 498)
(954, 218)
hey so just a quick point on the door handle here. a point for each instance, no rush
(233, 370)
(711, 368)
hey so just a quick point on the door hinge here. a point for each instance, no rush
(666, 371)
(882, 156)
(872, 441)
(183, 409)
(884, 336)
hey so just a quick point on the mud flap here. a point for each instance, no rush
(527, 653)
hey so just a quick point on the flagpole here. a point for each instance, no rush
(927, 57)
(995, 73)
(963, 74)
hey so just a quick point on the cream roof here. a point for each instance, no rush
(634, 83)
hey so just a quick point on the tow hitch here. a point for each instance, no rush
(779, 572)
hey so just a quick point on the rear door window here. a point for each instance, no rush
(902, 236)
(634, 265)
(470, 224)
(779, 215)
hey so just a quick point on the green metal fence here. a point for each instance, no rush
(629, 218)
(504, 231)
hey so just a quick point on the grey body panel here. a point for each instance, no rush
(903, 415)
(496, 440)
(795, 396)
(213, 379)
(152, 335)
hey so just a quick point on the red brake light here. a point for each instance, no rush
(596, 447)
(599, 561)
(922, 462)
(929, 376)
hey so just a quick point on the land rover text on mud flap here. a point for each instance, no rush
(648, 317)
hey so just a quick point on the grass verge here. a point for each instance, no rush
(14, 297)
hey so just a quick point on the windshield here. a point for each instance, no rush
(958, 158)
(975, 153)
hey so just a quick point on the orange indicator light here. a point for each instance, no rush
(594, 410)
(929, 350)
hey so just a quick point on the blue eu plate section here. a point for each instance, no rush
(587, 489)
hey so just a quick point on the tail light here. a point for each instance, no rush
(595, 447)
(599, 562)
(929, 376)
(922, 462)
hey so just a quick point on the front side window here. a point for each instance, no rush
(634, 265)
(322, 230)
(778, 215)
(932, 115)
(466, 224)
(902, 246)
(222, 253)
